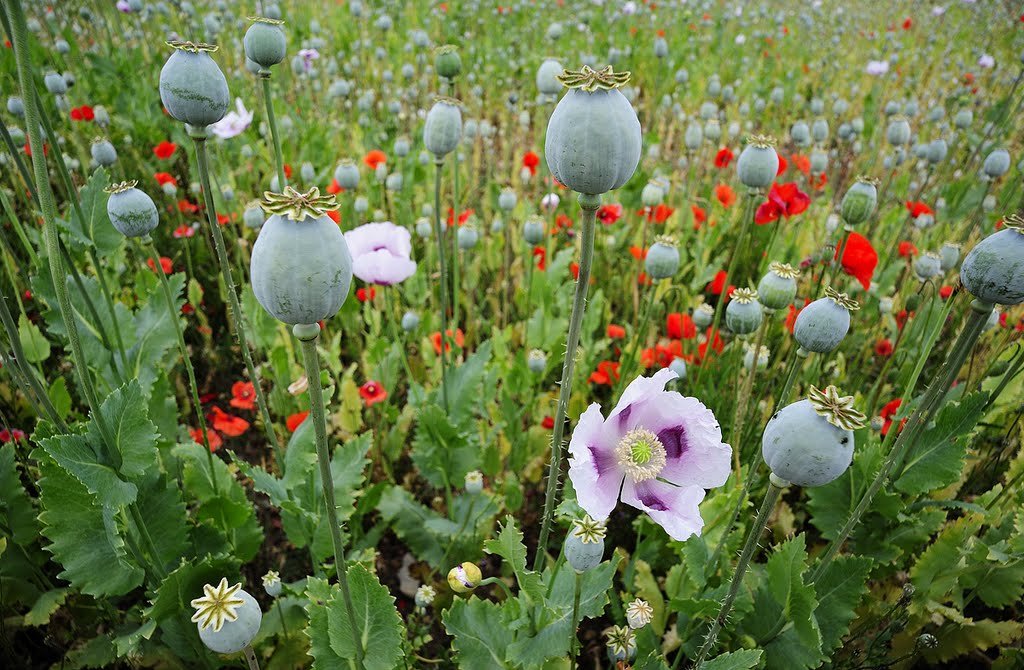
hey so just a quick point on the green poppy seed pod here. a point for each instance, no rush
(235, 632)
(443, 129)
(131, 211)
(593, 138)
(497, 225)
(55, 83)
(652, 194)
(703, 315)
(892, 107)
(810, 442)
(997, 163)
(708, 110)
(447, 63)
(103, 152)
(467, 237)
(898, 131)
(307, 172)
(800, 133)
(927, 265)
(660, 47)
(17, 136)
(819, 161)
(743, 314)
(16, 106)
(265, 43)
(537, 361)
(950, 254)
(584, 544)
(533, 230)
(712, 130)
(301, 268)
(993, 271)
(678, 366)
(253, 217)
(819, 130)
(777, 288)
(859, 202)
(823, 324)
(693, 137)
(547, 77)
(507, 199)
(394, 181)
(662, 259)
(963, 119)
(937, 151)
(347, 175)
(758, 163)
(192, 87)
(402, 147)
(410, 321)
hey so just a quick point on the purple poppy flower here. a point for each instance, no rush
(381, 253)
(657, 451)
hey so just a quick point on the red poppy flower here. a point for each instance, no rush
(183, 231)
(716, 285)
(463, 216)
(818, 183)
(802, 163)
(607, 374)
(212, 436)
(547, 423)
(165, 263)
(186, 207)
(187, 309)
(372, 393)
(164, 178)
(883, 347)
(917, 208)
(83, 113)
(902, 317)
(716, 344)
(375, 157)
(334, 187)
(888, 413)
(723, 158)
(859, 259)
(616, 332)
(574, 269)
(541, 255)
(165, 150)
(662, 212)
(364, 294)
(906, 249)
(726, 195)
(28, 149)
(783, 200)
(230, 425)
(609, 214)
(223, 219)
(637, 253)
(459, 338)
(531, 161)
(907, 23)
(243, 395)
(792, 313)
(699, 215)
(334, 215)
(8, 436)
(680, 326)
(287, 171)
(783, 164)
(562, 221)
(945, 292)
(295, 420)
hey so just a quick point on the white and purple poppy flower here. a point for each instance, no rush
(877, 67)
(657, 451)
(234, 123)
(381, 253)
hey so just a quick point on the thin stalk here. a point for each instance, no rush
(199, 140)
(455, 237)
(770, 498)
(282, 181)
(19, 357)
(589, 205)
(100, 328)
(309, 335)
(574, 638)
(439, 233)
(641, 331)
(250, 657)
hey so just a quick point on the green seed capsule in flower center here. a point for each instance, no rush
(641, 454)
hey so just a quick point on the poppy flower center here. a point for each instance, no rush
(641, 454)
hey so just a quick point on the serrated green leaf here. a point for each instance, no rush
(163, 512)
(839, 592)
(77, 455)
(464, 383)
(411, 522)
(936, 573)
(481, 633)
(134, 436)
(960, 638)
(440, 451)
(48, 603)
(96, 229)
(938, 457)
(744, 659)
(377, 621)
(16, 509)
(34, 344)
(509, 545)
(784, 578)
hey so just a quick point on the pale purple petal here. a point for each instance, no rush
(595, 474)
(638, 390)
(674, 508)
(691, 435)
(382, 267)
(381, 253)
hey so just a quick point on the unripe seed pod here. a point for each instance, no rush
(859, 202)
(443, 129)
(662, 259)
(131, 211)
(950, 254)
(660, 47)
(819, 130)
(347, 175)
(810, 442)
(265, 43)
(228, 618)
(192, 87)
(819, 161)
(800, 134)
(678, 366)
(743, 314)
(823, 324)
(927, 265)
(402, 147)
(533, 230)
(306, 171)
(537, 361)
(547, 77)
(447, 63)
(703, 315)
(963, 119)
(777, 288)
(507, 200)
(937, 151)
(15, 105)
(584, 544)
(467, 237)
(758, 163)
(272, 583)
(652, 194)
(997, 163)
(103, 152)
(993, 271)
(693, 137)
(253, 217)
(898, 132)
(410, 321)
(55, 83)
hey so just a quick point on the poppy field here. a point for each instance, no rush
(546, 335)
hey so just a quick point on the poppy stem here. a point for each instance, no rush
(439, 233)
(753, 535)
(150, 248)
(744, 390)
(455, 238)
(574, 641)
(589, 204)
(282, 181)
(250, 657)
(237, 317)
(309, 335)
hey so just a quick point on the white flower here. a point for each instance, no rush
(639, 613)
(938, 10)
(550, 201)
(425, 595)
(234, 123)
(629, 9)
(741, 39)
(986, 61)
(877, 67)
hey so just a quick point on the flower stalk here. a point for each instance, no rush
(439, 234)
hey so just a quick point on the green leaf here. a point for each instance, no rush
(44, 608)
(938, 458)
(464, 383)
(59, 397)
(440, 451)
(839, 592)
(653, 661)
(96, 230)
(744, 659)
(163, 512)
(16, 510)
(155, 343)
(77, 455)
(936, 573)
(784, 578)
(33, 342)
(509, 545)
(186, 582)
(481, 633)
(410, 521)
(134, 436)
(960, 638)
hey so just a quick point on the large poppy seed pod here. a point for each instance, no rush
(447, 63)
(743, 314)
(55, 83)
(693, 137)
(927, 265)
(652, 194)
(997, 163)
(301, 268)
(950, 254)
(265, 42)
(533, 230)
(507, 199)
(898, 131)
(228, 618)
(131, 211)
(443, 129)
(777, 288)
(347, 174)
(593, 138)
(859, 201)
(758, 163)
(993, 271)
(547, 77)
(800, 133)
(192, 86)
(662, 259)
(823, 324)
(810, 442)
(819, 130)
(937, 151)
(103, 152)
(584, 544)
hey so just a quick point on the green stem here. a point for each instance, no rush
(498, 581)
(770, 498)
(589, 204)
(455, 237)
(629, 361)
(309, 335)
(250, 657)
(282, 181)
(147, 540)
(439, 233)
(199, 140)
(574, 639)
(32, 382)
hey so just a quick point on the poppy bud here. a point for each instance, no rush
(778, 287)
(913, 302)
(447, 63)
(464, 578)
(265, 42)
(443, 129)
(993, 271)
(758, 163)
(859, 202)
(662, 259)
(743, 314)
